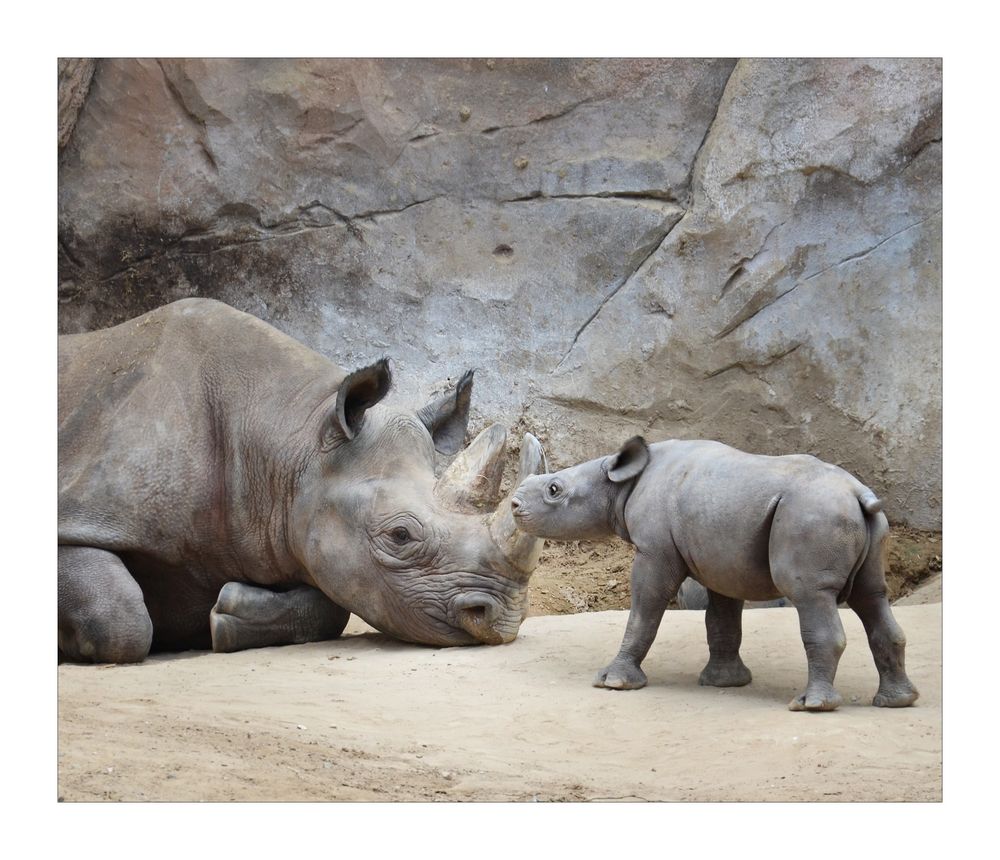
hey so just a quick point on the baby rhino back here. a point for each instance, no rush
(734, 515)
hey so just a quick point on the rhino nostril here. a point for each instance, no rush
(515, 504)
(480, 613)
(477, 609)
(476, 614)
(477, 620)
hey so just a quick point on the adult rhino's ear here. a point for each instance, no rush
(629, 461)
(358, 393)
(447, 418)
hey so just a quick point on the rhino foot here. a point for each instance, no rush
(896, 696)
(725, 673)
(247, 616)
(621, 676)
(816, 700)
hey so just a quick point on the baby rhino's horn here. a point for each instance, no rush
(520, 549)
(472, 481)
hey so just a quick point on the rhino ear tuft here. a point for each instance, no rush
(359, 392)
(629, 461)
(447, 418)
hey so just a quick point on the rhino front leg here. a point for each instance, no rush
(102, 614)
(724, 625)
(655, 581)
(248, 616)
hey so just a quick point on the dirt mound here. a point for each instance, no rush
(914, 557)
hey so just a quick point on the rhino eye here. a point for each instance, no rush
(400, 535)
(553, 490)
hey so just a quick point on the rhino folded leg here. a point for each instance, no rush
(724, 625)
(655, 581)
(102, 615)
(824, 640)
(247, 616)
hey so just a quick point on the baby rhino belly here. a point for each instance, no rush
(730, 561)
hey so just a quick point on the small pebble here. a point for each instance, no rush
(464, 113)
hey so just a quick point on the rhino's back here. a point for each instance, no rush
(146, 409)
(715, 463)
(700, 470)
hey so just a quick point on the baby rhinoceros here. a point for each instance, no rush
(747, 527)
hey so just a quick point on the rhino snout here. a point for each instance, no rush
(477, 613)
(521, 511)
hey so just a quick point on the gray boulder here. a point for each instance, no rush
(748, 251)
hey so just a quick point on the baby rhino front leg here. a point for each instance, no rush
(654, 582)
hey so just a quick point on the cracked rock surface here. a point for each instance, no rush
(743, 250)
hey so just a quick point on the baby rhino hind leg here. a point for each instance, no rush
(824, 641)
(724, 626)
(814, 547)
(885, 637)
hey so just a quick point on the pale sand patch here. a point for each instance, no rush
(928, 592)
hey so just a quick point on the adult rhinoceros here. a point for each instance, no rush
(220, 483)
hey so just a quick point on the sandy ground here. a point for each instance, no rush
(368, 718)
(929, 591)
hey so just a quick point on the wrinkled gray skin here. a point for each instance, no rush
(221, 484)
(747, 527)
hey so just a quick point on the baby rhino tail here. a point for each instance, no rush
(869, 501)
(871, 505)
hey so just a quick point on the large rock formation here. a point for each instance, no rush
(748, 251)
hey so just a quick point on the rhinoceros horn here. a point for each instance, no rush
(472, 481)
(521, 550)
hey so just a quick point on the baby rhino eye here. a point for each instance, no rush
(553, 490)
(400, 535)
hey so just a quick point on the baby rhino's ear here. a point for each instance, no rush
(629, 461)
